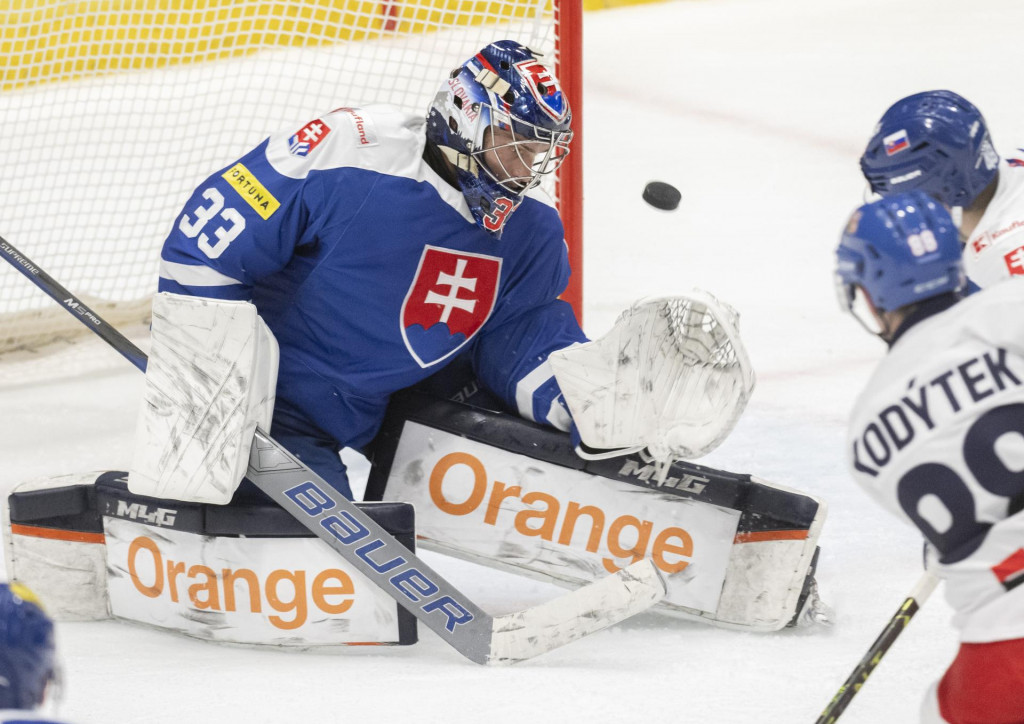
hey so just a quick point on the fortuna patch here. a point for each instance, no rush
(451, 296)
(308, 137)
(545, 88)
(251, 190)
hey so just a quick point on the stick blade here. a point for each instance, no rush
(596, 606)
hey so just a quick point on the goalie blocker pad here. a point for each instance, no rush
(496, 489)
(210, 381)
(247, 573)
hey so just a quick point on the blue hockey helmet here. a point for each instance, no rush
(935, 141)
(27, 657)
(897, 250)
(502, 120)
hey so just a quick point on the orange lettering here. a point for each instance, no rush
(174, 569)
(321, 590)
(229, 577)
(548, 516)
(133, 550)
(297, 604)
(663, 545)
(437, 476)
(543, 522)
(285, 591)
(572, 514)
(643, 530)
(501, 491)
(210, 587)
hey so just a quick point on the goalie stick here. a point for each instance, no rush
(899, 621)
(477, 635)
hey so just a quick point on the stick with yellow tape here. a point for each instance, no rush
(925, 585)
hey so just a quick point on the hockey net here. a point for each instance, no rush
(113, 112)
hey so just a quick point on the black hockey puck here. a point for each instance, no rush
(661, 195)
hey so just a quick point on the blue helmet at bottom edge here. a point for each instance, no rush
(900, 250)
(504, 123)
(27, 651)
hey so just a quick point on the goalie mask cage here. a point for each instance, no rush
(113, 112)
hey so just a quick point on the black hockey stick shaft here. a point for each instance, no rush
(900, 620)
(75, 306)
(374, 552)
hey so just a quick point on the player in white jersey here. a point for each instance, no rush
(28, 665)
(938, 142)
(937, 437)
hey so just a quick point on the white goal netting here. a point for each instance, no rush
(112, 112)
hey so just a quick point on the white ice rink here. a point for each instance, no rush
(757, 111)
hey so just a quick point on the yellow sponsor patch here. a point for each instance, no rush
(250, 189)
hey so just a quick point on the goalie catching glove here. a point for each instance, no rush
(210, 382)
(671, 377)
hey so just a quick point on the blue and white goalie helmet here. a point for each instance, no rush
(936, 142)
(503, 121)
(27, 655)
(899, 250)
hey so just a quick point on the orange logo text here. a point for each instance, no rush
(550, 520)
(285, 592)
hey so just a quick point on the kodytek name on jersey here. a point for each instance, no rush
(949, 393)
(408, 580)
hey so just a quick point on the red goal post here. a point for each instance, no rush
(112, 113)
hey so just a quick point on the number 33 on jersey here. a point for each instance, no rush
(229, 223)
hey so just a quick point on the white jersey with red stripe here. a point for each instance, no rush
(937, 438)
(995, 249)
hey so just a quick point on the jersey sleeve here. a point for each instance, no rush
(511, 359)
(241, 224)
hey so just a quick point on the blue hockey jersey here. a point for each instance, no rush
(371, 273)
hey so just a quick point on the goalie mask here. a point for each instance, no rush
(27, 658)
(502, 120)
(935, 142)
(898, 250)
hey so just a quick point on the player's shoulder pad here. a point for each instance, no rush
(377, 138)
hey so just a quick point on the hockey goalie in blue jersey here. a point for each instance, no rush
(375, 248)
